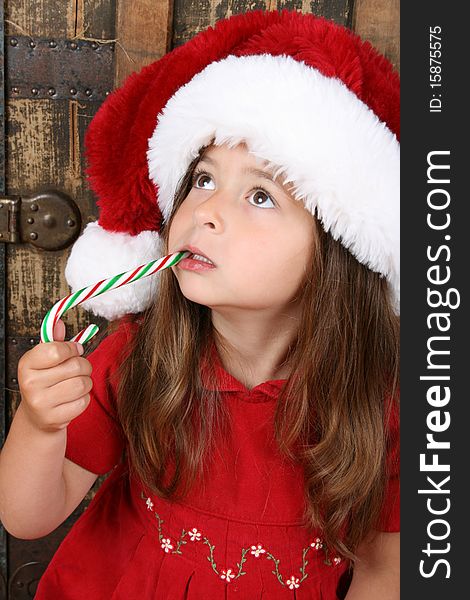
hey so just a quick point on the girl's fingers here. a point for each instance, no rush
(49, 354)
(64, 372)
(64, 392)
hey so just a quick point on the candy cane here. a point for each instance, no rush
(96, 289)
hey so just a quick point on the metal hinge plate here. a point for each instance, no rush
(58, 68)
(49, 220)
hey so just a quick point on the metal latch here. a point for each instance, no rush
(49, 220)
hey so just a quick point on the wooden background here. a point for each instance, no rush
(44, 148)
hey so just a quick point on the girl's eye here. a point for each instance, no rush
(259, 198)
(260, 195)
(200, 176)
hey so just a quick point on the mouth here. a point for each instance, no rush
(197, 256)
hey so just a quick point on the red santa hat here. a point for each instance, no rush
(308, 96)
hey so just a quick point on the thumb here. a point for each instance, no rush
(59, 331)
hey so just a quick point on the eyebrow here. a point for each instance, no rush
(247, 171)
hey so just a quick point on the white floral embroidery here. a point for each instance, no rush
(293, 582)
(257, 550)
(194, 534)
(227, 575)
(167, 545)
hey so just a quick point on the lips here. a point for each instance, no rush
(196, 250)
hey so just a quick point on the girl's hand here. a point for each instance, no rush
(54, 382)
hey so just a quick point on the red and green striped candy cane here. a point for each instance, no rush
(96, 289)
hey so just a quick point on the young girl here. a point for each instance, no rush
(245, 401)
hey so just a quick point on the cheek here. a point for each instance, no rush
(251, 250)
(289, 256)
(271, 262)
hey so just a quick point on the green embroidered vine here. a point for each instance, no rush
(256, 550)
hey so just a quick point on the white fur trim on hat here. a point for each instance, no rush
(343, 162)
(104, 254)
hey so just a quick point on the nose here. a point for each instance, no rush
(209, 212)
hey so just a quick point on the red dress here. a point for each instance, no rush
(240, 537)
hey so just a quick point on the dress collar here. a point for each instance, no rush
(217, 378)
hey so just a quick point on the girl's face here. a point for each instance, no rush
(258, 237)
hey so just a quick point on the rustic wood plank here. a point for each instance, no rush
(38, 18)
(36, 142)
(191, 18)
(44, 146)
(3, 263)
(336, 10)
(379, 22)
(43, 18)
(99, 19)
(45, 149)
(143, 32)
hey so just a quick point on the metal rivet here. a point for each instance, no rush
(33, 235)
(73, 91)
(52, 44)
(70, 222)
(13, 42)
(51, 91)
(13, 341)
(15, 90)
(35, 91)
(94, 45)
(34, 207)
(73, 45)
(30, 220)
(50, 221)
(88, 92)
(32, 342)
(32, 44)
(14, 380)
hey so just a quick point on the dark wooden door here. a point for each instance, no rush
(61, 57)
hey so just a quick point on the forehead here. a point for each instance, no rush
(252, 164)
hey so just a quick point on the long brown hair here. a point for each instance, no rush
(331, 415)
